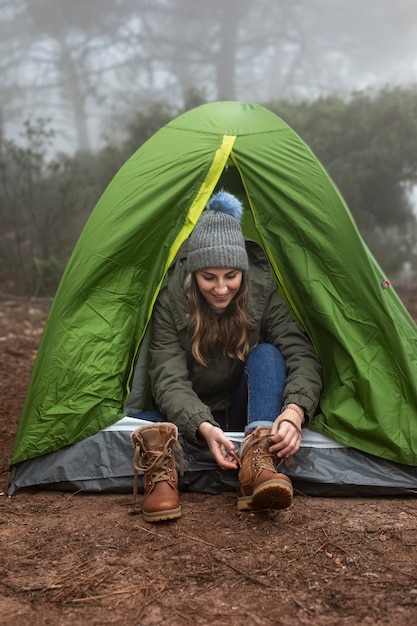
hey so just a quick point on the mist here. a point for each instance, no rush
(88, 67)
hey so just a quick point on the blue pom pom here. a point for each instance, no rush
(226, 203)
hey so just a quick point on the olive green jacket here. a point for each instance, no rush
(186, 392)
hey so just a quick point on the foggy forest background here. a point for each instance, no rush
(84, 83)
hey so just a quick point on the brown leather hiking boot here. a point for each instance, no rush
(261, 486)
(154, 449)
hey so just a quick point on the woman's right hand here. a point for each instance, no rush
(223, 450)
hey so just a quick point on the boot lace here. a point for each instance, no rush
(262, 458)
(156, 463)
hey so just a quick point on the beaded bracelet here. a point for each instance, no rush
(296, 408)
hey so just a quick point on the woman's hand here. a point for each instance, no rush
(286, 435)
(223, 450)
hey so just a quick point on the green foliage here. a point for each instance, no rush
(40, 207)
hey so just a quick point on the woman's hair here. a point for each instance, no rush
(230, 329)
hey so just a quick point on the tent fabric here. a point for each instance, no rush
(103, 462)
(94, 334)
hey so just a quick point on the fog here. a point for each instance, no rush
(88, 66)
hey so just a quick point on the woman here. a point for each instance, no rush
(225, 356)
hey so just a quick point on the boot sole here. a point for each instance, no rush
(162, 516)
(273, 494)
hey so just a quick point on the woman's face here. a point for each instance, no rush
(219, 285)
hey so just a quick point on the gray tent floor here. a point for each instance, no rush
(104, 463)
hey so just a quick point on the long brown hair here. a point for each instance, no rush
(230, 329)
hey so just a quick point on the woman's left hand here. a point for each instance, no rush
(285, 435)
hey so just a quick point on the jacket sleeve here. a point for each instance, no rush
(304, 380)
(170, 382)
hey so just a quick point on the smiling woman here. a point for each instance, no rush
(226, 355)
(216, 302)
(219, 286)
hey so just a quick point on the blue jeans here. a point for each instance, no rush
(257, 400)
(259, 395)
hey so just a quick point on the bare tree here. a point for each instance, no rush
(58, 53)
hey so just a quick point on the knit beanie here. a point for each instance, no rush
(217, 239)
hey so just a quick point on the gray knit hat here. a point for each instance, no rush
(217, 239)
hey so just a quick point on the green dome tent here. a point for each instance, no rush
(97, 323)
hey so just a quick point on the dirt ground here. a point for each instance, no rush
(84, 559)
